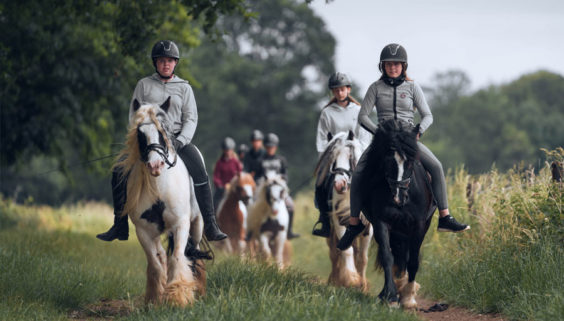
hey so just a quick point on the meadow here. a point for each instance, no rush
(510, 262)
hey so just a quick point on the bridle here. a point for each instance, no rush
(160, 149)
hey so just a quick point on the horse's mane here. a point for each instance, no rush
(130, 163)
(392, 135)
(260, 208)
(326, 160)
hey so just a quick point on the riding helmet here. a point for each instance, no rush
(165, 48)
(338, 79)
(243, 148)
(271, 140)
(393, 52)
(257, 135)
(228, 143)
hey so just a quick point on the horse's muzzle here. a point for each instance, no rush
(341, 185)
(155, 167)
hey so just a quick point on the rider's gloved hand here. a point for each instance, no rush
(177, 144)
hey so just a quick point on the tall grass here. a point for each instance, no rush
(511, 261)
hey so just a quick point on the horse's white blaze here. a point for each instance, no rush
(243, 209)
(248, 191)
(399, 162)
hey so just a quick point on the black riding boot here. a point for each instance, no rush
(325, 229)
(120, 229)
(351, 233)
(204, 198)
(291, 234)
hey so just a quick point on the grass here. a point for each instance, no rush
(54, 268)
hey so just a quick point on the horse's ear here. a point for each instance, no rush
(351, 135)
(136, 105)
(329, 136)
(166, 104)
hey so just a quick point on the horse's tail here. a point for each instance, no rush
(399, 243)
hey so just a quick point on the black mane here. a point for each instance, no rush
(393, 135)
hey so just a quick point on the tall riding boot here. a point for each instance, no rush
(322, 197)
(204, 198)
(291, 234)
(120, 229)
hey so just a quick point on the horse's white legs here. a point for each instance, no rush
(156, 266)
(407, 295)
(343, 271)
(180, 287)
(361, 257)
(278, 248)
(265, 247)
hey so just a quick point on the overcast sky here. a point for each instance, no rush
(493, 41)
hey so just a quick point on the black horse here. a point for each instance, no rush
(397, 199)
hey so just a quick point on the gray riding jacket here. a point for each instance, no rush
(335, 119)
(401, 101)
(182, 103)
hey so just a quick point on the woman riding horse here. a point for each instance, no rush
(395, 96)
(339, 115)
(155, 89)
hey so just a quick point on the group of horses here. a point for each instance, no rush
(397, 208)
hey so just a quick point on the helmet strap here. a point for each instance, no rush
(157, 71)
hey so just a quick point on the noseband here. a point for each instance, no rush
(160, 149)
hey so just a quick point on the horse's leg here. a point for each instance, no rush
(343, 266)
(361, 257)
(278, 248)
(382, 237)
(156, 265)
(180, 287)
(408, 292)
(265, 247)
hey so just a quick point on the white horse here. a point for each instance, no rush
(334, 169)
(268, 220)
(160, 199)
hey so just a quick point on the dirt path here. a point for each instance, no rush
(452, 313)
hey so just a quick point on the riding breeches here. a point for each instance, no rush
(194, 162)
(429, 162)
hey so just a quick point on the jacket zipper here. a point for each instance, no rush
(395, 111)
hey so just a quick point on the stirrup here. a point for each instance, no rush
(323, 231)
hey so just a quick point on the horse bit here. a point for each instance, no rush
(162, 150)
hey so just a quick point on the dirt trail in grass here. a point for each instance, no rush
(452, 313)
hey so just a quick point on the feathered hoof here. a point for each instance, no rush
(407, 295)
(180, 293)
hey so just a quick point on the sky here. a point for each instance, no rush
(493, 41)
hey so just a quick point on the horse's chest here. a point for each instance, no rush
(155, 215)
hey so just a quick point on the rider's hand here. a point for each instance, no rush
(177, 144)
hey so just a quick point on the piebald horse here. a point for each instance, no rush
(334, 169)
(268, 221)
(232, 212)
(160, 199)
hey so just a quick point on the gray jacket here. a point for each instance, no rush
(409, 96)
(182, 103)
(335, 119)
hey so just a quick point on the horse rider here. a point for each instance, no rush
(339, 115)
(242, 150)
(156, 89)
(395, 95)
(252, 161)
(277, 164)
(226, 167)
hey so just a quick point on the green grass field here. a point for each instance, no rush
(53, 268)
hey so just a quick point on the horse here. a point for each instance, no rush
(334, 169)
(268, 220)
(160, 199)
(397, 199)
(232, 212)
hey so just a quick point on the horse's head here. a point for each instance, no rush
(244, 185)
(400, 151)
(276, 192)
(153, 126)
(340, 158)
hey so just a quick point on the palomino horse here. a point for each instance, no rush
(334, 170)
(397, 199)
(160, 199)
(232, 212)
(268, 220)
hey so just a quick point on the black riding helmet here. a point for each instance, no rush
(338, 79)
(256, 135)
(228, 143)
(164, 48)
(243, 148)
(271, 140)
(393, 52)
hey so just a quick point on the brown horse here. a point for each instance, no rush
(232, 212)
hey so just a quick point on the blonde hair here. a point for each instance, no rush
(349, 98)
